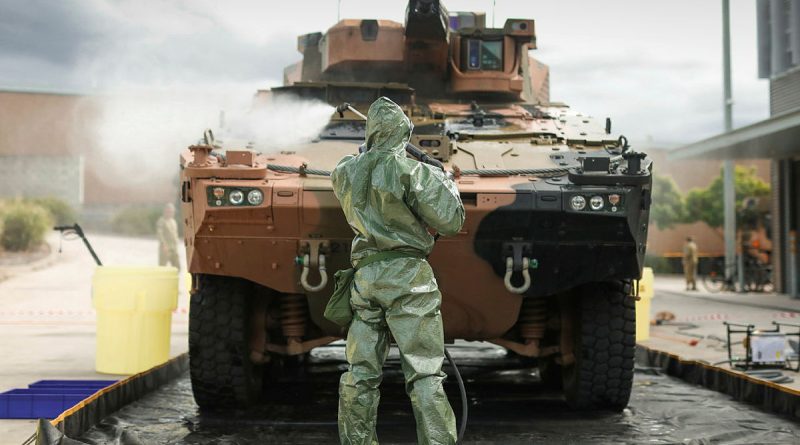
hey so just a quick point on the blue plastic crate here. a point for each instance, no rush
(71, 383)
(47, 398)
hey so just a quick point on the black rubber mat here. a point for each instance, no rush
(508, 405)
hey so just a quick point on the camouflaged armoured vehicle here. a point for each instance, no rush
(557, 211)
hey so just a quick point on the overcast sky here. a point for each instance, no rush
(653, 66)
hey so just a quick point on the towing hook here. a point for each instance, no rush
(322, 273)
(526, 276)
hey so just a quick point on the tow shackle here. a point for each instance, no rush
(526, 276)
(323, 273)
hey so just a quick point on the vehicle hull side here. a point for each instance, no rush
(262, 244)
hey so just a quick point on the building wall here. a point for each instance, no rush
(51, 135)
(779, 245)
(778, 24)
(669, 242)
(779, 61)
(786, 224)
(43, 176)
(784, 92)
(688, 175)
(45, 124)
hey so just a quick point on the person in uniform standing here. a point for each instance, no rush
(690, 260)
(167, 231)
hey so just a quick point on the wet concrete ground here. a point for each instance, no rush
(508, 405)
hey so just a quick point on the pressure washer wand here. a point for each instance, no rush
(79, 231)
(346, 106)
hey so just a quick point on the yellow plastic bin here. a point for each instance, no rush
(134, 316)
(643, 305)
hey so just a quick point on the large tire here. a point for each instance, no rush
(219, 354)
(604, 333)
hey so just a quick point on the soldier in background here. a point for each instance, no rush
(690, 260)
(167, 231)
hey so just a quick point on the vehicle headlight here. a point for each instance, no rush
(577, 202)
(596, 203)
(255, 197)
(236, 197)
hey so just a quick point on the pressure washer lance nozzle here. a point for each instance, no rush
(346, 106)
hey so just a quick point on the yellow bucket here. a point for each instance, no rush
(134, 316)
(643, 305)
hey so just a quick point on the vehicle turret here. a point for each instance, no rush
(438, 54)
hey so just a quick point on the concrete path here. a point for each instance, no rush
(47, 323)
(698, 331)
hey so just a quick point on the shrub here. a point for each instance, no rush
(3, 209)
(661, 265)
(24, 225)
(62, 213)
(136, 221)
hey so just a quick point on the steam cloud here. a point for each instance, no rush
(281, 122)
(148, 127)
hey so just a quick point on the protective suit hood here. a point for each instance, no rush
(391, 201)
(388, 128)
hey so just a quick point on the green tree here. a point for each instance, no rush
(668, 204)
(706, 204)
(62, 213)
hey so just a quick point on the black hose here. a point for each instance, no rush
(422, 156)
(464, 405)
(31, 439)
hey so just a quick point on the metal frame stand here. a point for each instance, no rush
(748, 330)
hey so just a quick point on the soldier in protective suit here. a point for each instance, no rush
(391, 202)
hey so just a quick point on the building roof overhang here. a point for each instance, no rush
(775, 138)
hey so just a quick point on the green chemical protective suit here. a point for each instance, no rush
(391, 201)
